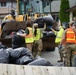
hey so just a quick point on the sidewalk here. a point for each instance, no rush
(52, 56)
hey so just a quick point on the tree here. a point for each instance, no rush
(63, 15)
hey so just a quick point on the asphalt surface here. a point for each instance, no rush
(52, 57)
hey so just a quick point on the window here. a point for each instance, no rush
(3, 4)
(55, 17)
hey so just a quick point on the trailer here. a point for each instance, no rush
(8, 27)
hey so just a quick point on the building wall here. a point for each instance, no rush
(72, 3)
(55, 5)
(7, 9)
(37, 7)
(9, 6)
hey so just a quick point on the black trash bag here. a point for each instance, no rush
(46, 19)
(9, 50)
(4, 56)
(11, 60)
(17, 41)
(27, 52)
(24, 60)
(40, 62)
(47, 34)
(2, 46)
(19, 52)
(16, 53)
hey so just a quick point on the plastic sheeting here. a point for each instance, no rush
(17, 41)
(22, 56)
(19, 52)
(40, 62)
(4, 56)
(24, 60)
(2, 46)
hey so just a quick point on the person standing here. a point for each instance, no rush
(10, 16)
(37, 47)
(28, 35)
(69, 43)
(58, 38)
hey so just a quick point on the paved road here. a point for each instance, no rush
(52, 56)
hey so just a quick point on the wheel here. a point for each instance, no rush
(50, 49)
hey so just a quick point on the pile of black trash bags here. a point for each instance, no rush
(21, 56)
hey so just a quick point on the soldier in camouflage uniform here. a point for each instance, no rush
(69, 41)
(37, 47)
(68, 53)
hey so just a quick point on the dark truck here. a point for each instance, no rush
(48, 39)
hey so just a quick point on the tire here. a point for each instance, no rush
(50, 49)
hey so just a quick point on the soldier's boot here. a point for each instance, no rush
(61, 60)
(34, 54)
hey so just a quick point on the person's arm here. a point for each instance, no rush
(44, 26)
(24, 35)
(42, 29)
(55, 32)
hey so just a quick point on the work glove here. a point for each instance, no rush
(60, 47)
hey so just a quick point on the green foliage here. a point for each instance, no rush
(63, 15)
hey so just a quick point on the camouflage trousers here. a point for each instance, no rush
(37, 47)
(68, 54)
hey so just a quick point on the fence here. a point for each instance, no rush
(9, 69)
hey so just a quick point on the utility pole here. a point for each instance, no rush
(50, 6)
(43, 5)
(17, 6)
(25, 2)
(37, 5)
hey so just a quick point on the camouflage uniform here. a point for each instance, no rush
(68, 54)
(37, 47)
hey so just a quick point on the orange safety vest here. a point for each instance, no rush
(70, 36)
(30, 33)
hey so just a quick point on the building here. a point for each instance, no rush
(36, 6)
(52, 7)
(55, 8)
(72, 9)
(6, 6)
